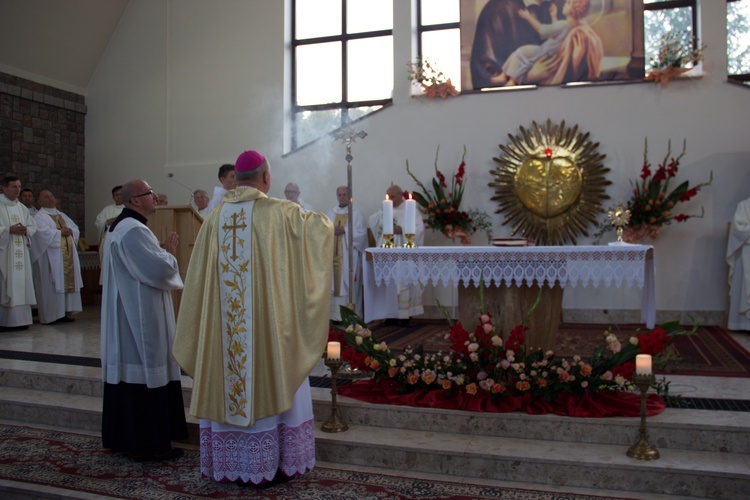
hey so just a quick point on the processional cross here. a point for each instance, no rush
(349, 136)
(234, 227)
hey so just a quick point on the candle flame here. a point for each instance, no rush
(386, 197)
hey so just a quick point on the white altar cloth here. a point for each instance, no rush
(568, 266)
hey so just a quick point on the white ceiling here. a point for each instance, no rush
(56, 42)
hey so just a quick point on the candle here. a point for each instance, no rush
(334, 350)
(387, 216)
(643, 364)
(410, 214)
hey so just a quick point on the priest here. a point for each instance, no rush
(738, 259)
(17, 227)
(253, 323)
(396, 303)
(54, 259)
(339, 215)
(143, 409)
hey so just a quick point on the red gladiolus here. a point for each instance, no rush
(646, 171)
(681, 217)
(626, 370)
(661, 175)
(688, 194)
(441, 178)
(516, 338)
(653, 342)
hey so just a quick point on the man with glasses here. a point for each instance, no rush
(253, 324)
(291, 193)
(143, 409)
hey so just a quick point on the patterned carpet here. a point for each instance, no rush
(77, 463)
(711, 351)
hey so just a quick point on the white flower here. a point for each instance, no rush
(358, 339)
(473, 347)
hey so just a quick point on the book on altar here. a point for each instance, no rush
(511, 242)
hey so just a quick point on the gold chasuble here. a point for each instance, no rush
(253, 321)
(338, 254)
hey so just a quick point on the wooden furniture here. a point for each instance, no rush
(185, 221)
(513, 277)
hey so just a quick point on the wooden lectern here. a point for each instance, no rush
(185, 221)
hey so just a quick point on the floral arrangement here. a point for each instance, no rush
(441, 205)
(480, 362)
(433, 81)
(654, 200)
(678, 52)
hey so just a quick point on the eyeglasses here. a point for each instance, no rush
(290, 191)
(149, 192)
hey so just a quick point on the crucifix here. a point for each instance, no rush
(349, 136)
(234, 227)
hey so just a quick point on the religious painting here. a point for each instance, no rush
(508, 43)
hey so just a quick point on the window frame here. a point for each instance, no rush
(739, 78)
(344, 106)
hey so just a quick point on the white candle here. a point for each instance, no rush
(410, 214)
(334, 350)
(387, 216)
(643, 364)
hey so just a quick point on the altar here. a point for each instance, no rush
(513, 277)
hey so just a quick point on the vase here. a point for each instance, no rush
(663, 75)
(636, 234)
(457, 232)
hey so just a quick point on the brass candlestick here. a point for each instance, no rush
(409, 240)
(334, 423)
(643, 450)
(388, 241)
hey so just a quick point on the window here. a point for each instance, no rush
(663, 16)
(738, 41)
(341, 64)
(439, 36)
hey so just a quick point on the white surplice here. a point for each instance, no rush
(359, 229)
(219, 192)
(17, 284)
(47, 263)
(108, 212)
(137, 312)
(738, 259)
(397, 300)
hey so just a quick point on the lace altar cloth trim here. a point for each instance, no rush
(89, 260)
(568, 266)
(254, 457)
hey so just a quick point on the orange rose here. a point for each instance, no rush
(392, 371)
(412, 379)
(374, 364)
(446, 383)
(471, 388)
(585, 370)
(498, 389)
(428, 377)
(542, 382)
(522, 385)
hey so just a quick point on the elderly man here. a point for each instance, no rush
(291, 192)
(396, 303)
(227, 181)
(143, 409)
(57, 271)
(253, 324)
(162, 200)
(17, 227)
(27, 198)
(339, 215)
(200, 197)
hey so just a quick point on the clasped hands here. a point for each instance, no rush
(170, 244)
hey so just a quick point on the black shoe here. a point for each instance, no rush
(404, 322)
(390, 322)
(66, 319)
(13, 328)
(170, 455)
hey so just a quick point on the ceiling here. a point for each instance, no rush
(56, 42)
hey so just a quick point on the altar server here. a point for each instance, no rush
(143, 409)
(253, 324)
(738, 259)
(54, 258)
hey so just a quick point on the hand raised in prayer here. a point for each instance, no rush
(66, 231)
(17, 229)
(170, 244)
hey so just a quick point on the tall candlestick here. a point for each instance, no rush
(387, 216)
(334, 350)
(643, 364)
(410, 214)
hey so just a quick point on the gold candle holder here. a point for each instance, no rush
(643, 450)
(409, 241)
(388, 241)
(334, 422)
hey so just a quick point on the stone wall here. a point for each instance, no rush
(42, 141)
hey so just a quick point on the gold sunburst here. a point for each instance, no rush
(550, 183)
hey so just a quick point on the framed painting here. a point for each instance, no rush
(550, 42)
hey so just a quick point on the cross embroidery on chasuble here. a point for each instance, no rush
(234, 233)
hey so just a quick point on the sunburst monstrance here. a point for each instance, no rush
(550, 183)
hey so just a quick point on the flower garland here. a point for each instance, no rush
(481, 362)
(433, 81)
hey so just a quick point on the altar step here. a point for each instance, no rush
(703, 453)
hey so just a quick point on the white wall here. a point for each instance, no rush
(186, 86)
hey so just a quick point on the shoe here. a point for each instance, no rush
(66, 319)
(169, 455)
(405, 322)
(13, 328)
(390, 322)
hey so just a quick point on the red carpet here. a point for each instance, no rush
(711, 351)
(77, 463)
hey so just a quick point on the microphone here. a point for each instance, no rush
(170, 176)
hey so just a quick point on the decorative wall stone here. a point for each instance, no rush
(42, 141)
